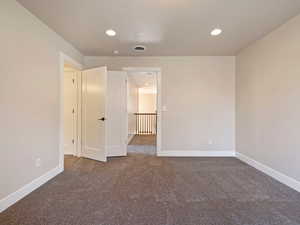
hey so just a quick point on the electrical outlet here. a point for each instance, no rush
(38, 162)
(210, 142)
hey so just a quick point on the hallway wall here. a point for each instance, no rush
(132, 105)
(147, 102)
(199, 94)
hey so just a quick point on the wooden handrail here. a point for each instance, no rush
(145, 113)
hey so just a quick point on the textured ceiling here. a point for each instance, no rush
(143, 80)
(165, 27)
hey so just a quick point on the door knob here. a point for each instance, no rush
(103, 118)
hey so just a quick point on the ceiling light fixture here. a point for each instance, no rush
(110, 33)
(116, 52)
(216, 32)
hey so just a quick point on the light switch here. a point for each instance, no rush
(38, 162)
(164, 108)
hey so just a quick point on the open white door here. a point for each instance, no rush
(94, 135)
(116, 113)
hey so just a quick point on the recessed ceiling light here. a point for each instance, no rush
(110, 33)
(216, 32)
(116, 52)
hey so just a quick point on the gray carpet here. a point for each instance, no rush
(145, 190)
(143, 140)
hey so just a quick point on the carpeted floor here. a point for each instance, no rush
(143, 140)
(145, 190)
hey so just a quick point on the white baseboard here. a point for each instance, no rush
(28, 188)
(114, 150)
(69, 153)
(291, 182)
(196, 153)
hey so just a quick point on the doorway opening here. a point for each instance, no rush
(70, 108)
(70, 118)
(142, 111)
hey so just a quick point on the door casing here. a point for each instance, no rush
(65, 59)
(158, 72)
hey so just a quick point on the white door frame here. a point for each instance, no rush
(158, 72)
(65, 59)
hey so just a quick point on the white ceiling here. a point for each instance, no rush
(165, 27)
(144, 80)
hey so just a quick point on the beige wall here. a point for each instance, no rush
(199, 95)
(268, 96)
(132, 105)
(29, 96)
(147, 102)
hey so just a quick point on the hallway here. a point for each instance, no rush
(143, 140)
(142, 144)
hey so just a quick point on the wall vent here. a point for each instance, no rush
(139, 48)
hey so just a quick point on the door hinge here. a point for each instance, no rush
(73, 111)
(73, 141)
(73, 80)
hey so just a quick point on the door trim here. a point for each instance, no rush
(65, 59)
(158, 72)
